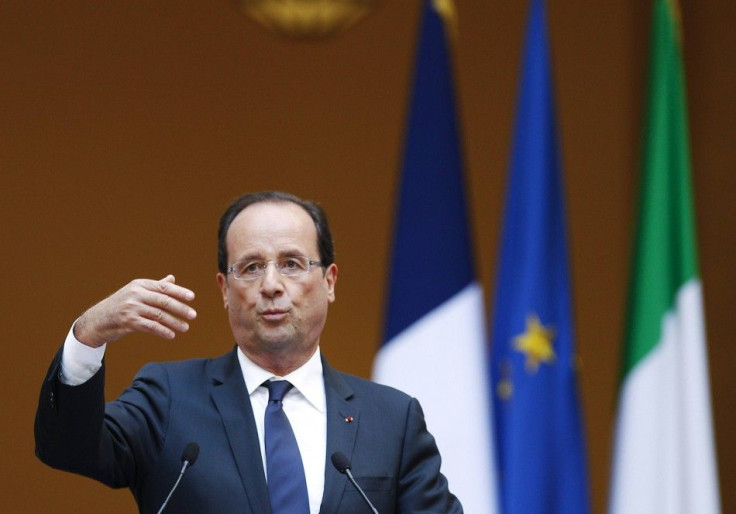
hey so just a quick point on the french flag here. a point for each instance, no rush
(435, 343)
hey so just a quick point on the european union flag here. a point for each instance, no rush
(540, 444)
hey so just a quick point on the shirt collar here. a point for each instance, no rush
(307, 379)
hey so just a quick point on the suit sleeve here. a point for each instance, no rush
(115, 443)
(422, 488)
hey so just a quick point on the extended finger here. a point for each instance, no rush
(164, 294)
(168, 304)
(167, 285)
(160, 322)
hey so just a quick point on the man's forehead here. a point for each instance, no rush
(284, 227)
(267, 210)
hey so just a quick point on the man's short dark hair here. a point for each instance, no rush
(318, 215)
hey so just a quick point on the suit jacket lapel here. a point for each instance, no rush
(233, 404)
(342, 428)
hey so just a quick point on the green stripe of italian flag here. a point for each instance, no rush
(664, 459)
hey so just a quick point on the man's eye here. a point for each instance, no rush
(290, 264)
(250, 268)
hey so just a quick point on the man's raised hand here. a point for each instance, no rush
(144, 305)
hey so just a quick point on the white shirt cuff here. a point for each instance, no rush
(79, 362)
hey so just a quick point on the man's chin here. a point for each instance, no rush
(276, 340)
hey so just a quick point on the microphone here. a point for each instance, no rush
(342, 464)
(188, 458)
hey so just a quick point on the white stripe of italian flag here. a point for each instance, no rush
(665, 457)
(664, 460)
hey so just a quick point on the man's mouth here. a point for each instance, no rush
(274, 314)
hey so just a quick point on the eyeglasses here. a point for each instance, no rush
(292, 267)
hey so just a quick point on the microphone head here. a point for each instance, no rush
(190, 453)
(341, 462)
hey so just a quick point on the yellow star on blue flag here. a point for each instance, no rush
(535, 343)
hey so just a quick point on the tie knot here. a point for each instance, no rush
(277, 389)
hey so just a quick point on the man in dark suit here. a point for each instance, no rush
(277, 277)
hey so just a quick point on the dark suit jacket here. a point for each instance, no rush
(137, 440)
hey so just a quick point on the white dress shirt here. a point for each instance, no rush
(305, 404)
(306, 407)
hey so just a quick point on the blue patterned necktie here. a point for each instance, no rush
(287, 486)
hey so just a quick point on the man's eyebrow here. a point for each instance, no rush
(291, 253)
(250, 256)
(258, 256)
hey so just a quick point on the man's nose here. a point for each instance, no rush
(271, 281)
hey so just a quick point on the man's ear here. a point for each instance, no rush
(330, 279)
(222, 283)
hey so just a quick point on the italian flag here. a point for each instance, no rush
(664, 459)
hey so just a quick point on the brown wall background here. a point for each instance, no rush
(126, 127)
